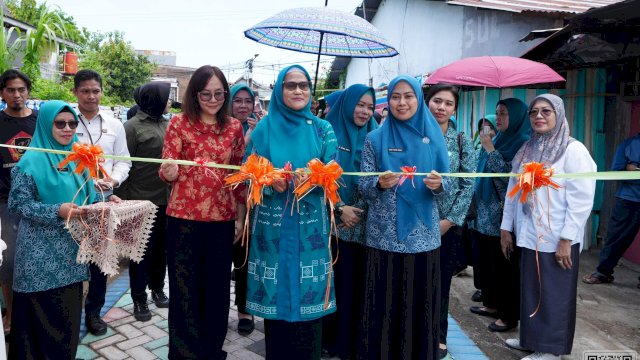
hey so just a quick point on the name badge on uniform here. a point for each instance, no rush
(64, 169)
(344, 148)
(396, 150)
(80, 134)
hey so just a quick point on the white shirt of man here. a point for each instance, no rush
(106, 131)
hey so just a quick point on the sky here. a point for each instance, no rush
(200, 31)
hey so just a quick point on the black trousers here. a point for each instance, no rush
(46, 324)
(450, 262)
(240, 262)
(150, 271)
(478, 274)
(199, 259)
(292, 340)
(623, 228)
(97, 290)
(502, 287)
(340, 329)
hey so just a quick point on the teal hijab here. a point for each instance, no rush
(491, 118)
(234, 90)
(415, 142)
(350, 136)
(507, 143)
(285, 134)
(54, 187)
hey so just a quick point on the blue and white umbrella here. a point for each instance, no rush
(322, 31)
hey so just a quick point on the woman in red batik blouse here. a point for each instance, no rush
(201, 216)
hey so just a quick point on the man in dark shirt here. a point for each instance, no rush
(17, 124)
(625, 218)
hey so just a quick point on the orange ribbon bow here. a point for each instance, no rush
(408, 172)
(534, 176)
(259, 172)
(325, 176)
(86, 157)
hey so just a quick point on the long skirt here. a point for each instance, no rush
(340, 329)
(401, 306)
(199, 259)
(552, 328)
(292, 340)
(46, 324)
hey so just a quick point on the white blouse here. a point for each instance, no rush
(557, 214)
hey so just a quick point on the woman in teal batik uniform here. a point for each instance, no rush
(289, 259)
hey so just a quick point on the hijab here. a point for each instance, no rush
(285, 134)
(418, 142)
(491, 118)
(350, 136)
(332, 98)
(152, 98)
(234, 90)
(54, 187)
(549, 147)
(506, 143)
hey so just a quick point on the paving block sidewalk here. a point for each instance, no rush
(127, 338)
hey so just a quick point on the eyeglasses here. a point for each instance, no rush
(242, 101)
(292, 85)
(62, 124)
(207, 95)
(545, 112)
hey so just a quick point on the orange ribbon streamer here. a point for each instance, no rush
(86, 157)
(325, 176)
(258, 172)
(533, 177)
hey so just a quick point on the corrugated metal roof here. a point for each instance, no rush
(549, 6)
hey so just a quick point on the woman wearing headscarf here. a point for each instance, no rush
(289, 257)
(550, 247)
(500, 294)
(442, 100)
(145, 138)
(402, 276)
(490, 122)
(330, 100)
(351, 119)
(47, 284)
(203, 216)
(242, 105)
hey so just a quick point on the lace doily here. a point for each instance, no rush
(110, 230)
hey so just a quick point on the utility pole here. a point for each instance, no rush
(249, 65)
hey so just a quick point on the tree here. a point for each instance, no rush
(29, 11)
(49, 24)
(8, 51)
(122, 69)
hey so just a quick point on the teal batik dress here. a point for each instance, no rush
(289, 260)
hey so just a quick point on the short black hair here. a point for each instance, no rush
(85, 75)
(442, 87)
(12, 74)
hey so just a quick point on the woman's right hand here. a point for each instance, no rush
(506, 241)
(388, 180)
(70, 210)
(487, 143)
(280, 185)
(169, 171)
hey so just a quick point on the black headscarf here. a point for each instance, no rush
(152, 98)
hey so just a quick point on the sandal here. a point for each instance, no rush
(597, 278)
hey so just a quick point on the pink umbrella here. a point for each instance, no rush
(495, 72)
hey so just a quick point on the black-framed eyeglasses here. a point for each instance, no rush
(545, 112)
(207, 95)
(292, 85)
(60, 124)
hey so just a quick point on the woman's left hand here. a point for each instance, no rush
(114, 199)
(563, 254)
(433, 181)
